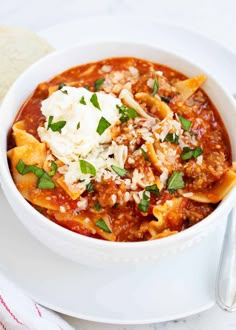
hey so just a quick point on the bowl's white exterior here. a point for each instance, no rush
(77, 247)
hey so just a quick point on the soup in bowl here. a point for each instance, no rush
(118, 152)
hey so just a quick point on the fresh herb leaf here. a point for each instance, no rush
(44, 182)
(197, 152)
(188, 153)
(82, 100)
(94, 101)
(87, 87)
(172, 138)
(126, 113)
(144, 204)
(144, 153)
(23, 169)
(86, 167)
(53, 168)
(186, 124)
(64, 92)
(98, 83)
(55, 127)
(102, 125)
(97, 206)
(153, 190)
(78, 125)
(90, 187)
(165, 99)
(102, 225)
(120, 171)
(155, 87)
(175, 181)
(61, 85)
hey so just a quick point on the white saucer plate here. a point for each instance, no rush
(173, 288)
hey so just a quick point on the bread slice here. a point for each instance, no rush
(19, 48)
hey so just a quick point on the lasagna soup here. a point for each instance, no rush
(122, 149)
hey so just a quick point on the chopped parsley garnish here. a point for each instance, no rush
(61, 85)
(120, 171)
(78, 125)
(186, 124)
(145, 156)
(175, 181)
(82, 100)
(44, 180)
(98, 83)
(165, 99)
(97, 206)
(86, 167)
(87, 87)
(188, 153)
(126, 113)
(55, 127)
(102, 125)
(90, 187)
(64, 92)
(155, 87)
(144, 204)
(94, 101)
(53, 168)
(172, 138)
(102, 225)
(153, 190)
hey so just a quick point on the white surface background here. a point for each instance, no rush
(214, 18)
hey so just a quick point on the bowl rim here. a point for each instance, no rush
(6, 179)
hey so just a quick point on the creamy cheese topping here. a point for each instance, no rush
(73, 143)
(64, 105)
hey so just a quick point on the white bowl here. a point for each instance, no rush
(80, 248)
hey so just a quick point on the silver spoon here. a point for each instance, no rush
(226, 278)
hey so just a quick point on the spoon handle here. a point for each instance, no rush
(226, 278)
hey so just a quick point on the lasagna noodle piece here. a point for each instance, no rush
(189, 86)
(31, 152)
(161, 109)
(218, 191)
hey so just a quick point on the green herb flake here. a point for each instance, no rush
(155, 87)
(120, 171)
(102, 225)
(172, 138)
(87, 87)
(64, 92)
(144, 204)
(102, 125)
(98, 83)
(78, 125)
(90, 187)
(145, 156)
(44, 181)
(97, 206)
(94, 101)
(186, 124)
(188, 153)
(82, 100)
(153, 190)
(61, 85)
(53, 168)
(86, 167)
(165, 99)
(126, 113)
(175, 181)
(55, 127)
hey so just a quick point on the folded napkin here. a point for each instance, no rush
(19, 312)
